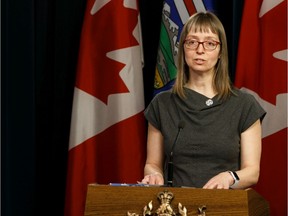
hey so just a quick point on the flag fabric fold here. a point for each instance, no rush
(262, 71)
(107, 136)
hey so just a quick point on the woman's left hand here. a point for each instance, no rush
(221, 181)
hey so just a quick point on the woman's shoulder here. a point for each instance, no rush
(246, 100)
(241, 94)
(163, 95)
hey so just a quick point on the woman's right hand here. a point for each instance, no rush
(153, 179)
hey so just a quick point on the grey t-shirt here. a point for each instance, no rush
(209, 143)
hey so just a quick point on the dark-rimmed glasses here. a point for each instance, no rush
(209, 45)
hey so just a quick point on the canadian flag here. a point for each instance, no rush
(107, 137)
(262, 71)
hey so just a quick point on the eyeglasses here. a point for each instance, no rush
(207, 45)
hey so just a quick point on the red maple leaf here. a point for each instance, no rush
(109, 29)
(273, 78)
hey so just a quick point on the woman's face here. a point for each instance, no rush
(199, 59)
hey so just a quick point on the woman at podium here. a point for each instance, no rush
(204, 132)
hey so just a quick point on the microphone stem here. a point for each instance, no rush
(170, 163)
(170, 171)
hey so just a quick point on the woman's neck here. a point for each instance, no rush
(202, 83)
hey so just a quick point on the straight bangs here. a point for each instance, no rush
(202, 24)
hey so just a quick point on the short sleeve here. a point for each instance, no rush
(157, 112)
(151, 113)
(252, 111)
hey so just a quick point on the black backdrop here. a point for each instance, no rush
(39, 50)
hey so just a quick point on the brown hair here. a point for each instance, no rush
(204, 21)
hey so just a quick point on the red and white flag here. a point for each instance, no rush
(107, 137)
(262, 71)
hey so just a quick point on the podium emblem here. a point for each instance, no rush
(165, 208)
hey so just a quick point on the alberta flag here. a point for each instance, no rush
(174, 15)
(107, 136)
(262, 71)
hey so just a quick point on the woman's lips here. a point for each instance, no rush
(199, 61)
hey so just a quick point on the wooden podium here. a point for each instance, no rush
(131, 200)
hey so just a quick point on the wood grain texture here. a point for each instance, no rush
(118, 200)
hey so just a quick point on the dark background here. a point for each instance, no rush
(39, 51)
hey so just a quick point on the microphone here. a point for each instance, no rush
(181, 125)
